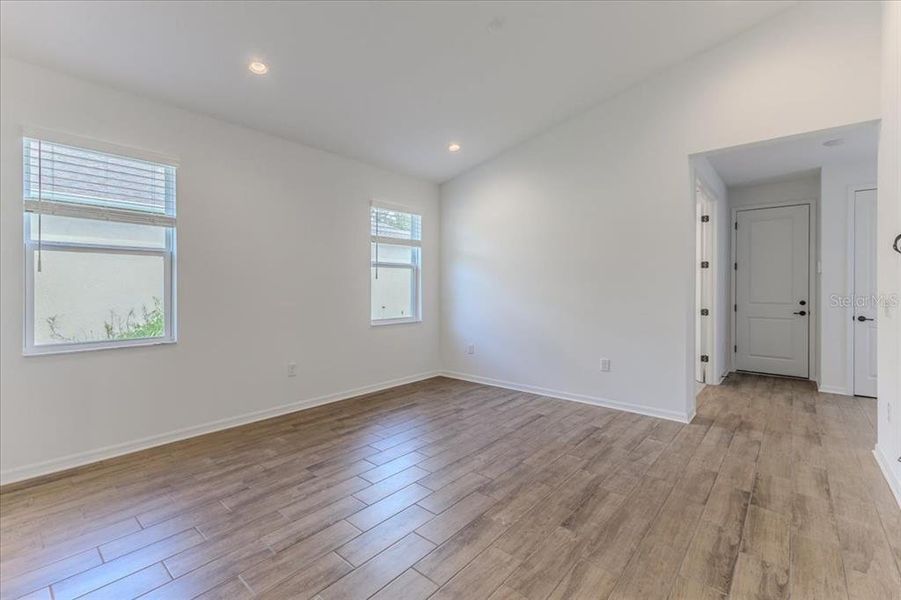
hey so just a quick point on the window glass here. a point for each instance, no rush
(386, 223)
(388, 253)
(395, 240)
(100, 242)
(392, 293)
(89, 231)
(92, 297)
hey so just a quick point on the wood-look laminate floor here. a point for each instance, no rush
(446, 489)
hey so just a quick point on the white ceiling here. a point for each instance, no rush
(390, 83)
(775, 159)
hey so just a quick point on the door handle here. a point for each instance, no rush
(862, 318)
(800, 312)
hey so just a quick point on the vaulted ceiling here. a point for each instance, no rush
(390, 83)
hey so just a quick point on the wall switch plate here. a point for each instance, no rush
(605, 364)
(470, 349)
(292, 369)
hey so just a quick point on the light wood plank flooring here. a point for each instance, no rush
(451, 490)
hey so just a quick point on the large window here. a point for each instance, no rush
(396, 239)
(99, 249)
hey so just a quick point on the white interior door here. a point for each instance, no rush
(704, 359)
(865, 307)
(771, 288)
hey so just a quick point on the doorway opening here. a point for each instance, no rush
(790, 259)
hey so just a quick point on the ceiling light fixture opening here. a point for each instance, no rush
(258, 68)
(453, 147)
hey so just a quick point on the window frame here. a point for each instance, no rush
(30, 249)
(415, 266)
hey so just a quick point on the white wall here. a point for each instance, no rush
(836, 182)
(805, 187)
(273, 243)
(888, 449)
(609, 192)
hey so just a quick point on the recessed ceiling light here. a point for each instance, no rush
(453, 147)
(835, 142)
(258, 68)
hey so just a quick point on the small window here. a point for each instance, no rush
(99, 249)
(395, 247)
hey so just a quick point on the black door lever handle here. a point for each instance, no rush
(801, 312)
(862, 318)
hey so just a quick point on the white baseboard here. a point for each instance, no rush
(650, 411)
(828, 389)
(885, 466)
(91, 456)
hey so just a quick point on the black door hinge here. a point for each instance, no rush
(705, 218)
(736, 226)
(735, 308)
(735, 266)
(705, 358)
(735, 348)
(704, 312)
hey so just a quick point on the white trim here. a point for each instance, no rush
(69, 348)
(392, 241)
(400, 321)
(68, 139)
(830, 389)
(112, 451)
(32, 244)
(649, 411)
(885, 466)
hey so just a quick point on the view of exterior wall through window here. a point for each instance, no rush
(396, 239)
(100, 248)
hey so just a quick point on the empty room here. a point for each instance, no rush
(460, 300)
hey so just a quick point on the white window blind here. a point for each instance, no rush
(99, 240)
(395, 227)
(77, 182)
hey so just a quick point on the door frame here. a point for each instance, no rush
(849, 279)
(813, 273)
(714, 369)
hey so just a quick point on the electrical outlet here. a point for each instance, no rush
(605, 364)
(292, 369)
(470, 349)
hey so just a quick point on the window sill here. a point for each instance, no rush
(92, 346)
(383, 322)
